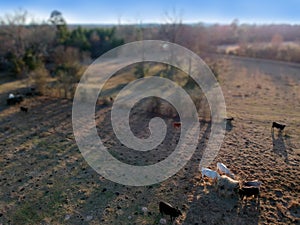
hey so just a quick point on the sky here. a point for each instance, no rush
(138, 11)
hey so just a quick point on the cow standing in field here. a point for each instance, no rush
(222, 168)
(166, 208)
(253, 183)
(249, 191)
(176, 124)
(228, 122)
(210, 174)
(278, 126)
(229, 119)
(24, 109)
(227, 184)
(14, 99)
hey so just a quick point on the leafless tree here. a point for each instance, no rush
(68, 69)
(21, 41)
(173, 26)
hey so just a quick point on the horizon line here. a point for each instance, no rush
(184, 23)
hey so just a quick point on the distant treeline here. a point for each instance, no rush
(25, 47)
(54, 49)
(216, 34)
(50, 51)
(262, 41)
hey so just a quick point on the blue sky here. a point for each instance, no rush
(133, 11)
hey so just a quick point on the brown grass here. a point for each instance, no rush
(45, 180)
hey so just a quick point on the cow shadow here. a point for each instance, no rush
(252, 205)
(229, 125)
(279, 145)
(208, 207)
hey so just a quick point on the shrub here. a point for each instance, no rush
(39, 77)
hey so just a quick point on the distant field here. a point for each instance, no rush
(233, 47)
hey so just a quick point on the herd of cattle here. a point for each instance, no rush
(14, 99)
(223, 179)
(225, 182)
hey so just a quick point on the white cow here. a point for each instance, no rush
(11, 95)
(209, 173)
(227, 184)
(224, 170)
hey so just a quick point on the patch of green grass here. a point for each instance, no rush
(36, 210)
(54, 200)
(26, 214)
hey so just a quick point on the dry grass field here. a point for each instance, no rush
(45, 180)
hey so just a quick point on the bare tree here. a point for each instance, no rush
(172, 27)
(39, 77)
(14, 39)
(170, 31)
(24, 45)
(68, 69)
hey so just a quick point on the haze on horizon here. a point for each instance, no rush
(154, 11)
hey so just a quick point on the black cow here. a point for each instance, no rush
(15, 100)
(229, 119)
(166, 208)
(24, 109)
(278, 126)
(253, 183)
(228, 122)
(32, 92)
(248, 192)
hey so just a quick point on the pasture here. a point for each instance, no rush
(45, 180)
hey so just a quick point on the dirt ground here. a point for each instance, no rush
(45, 180)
